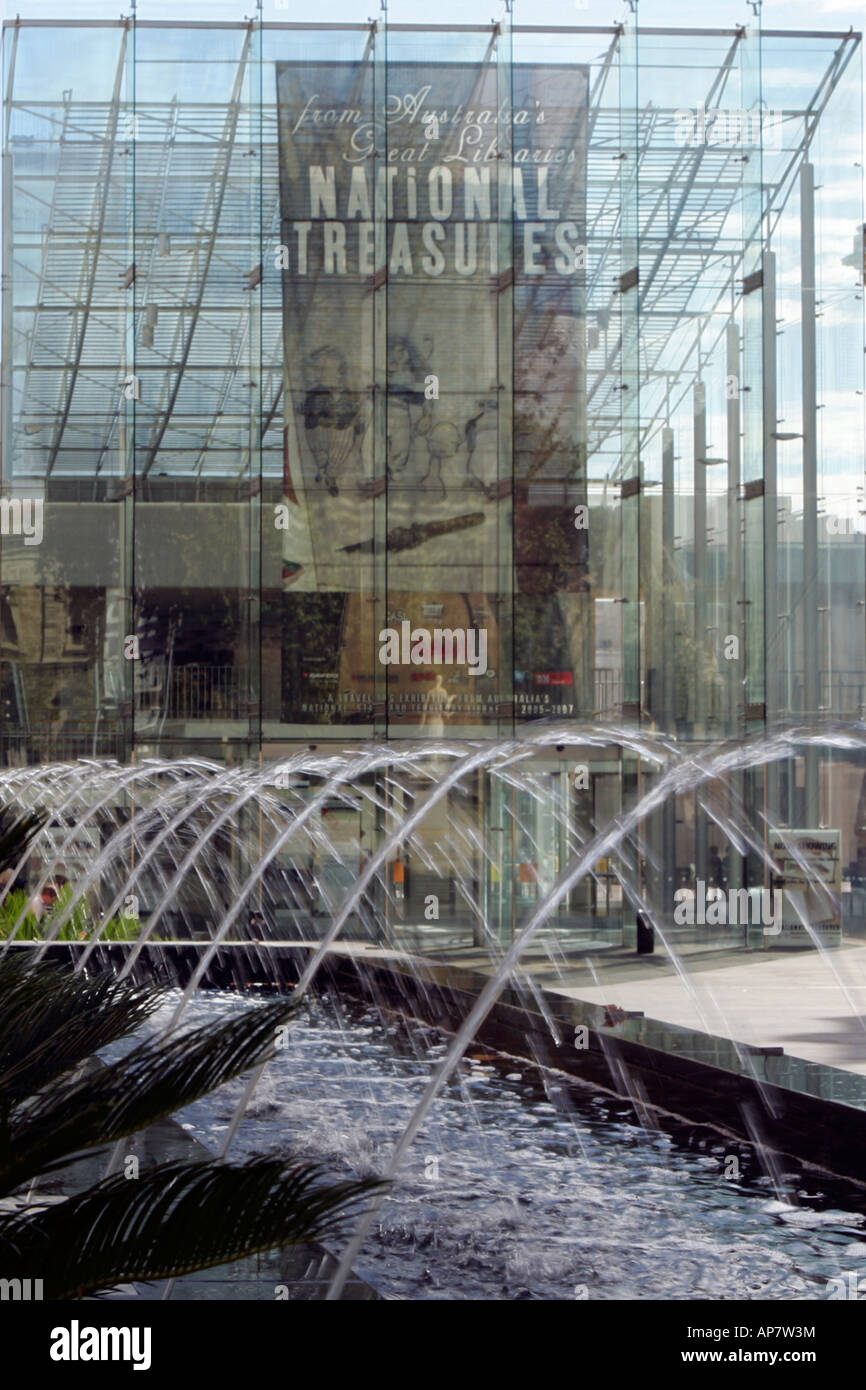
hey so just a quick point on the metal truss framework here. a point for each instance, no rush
(94, 182)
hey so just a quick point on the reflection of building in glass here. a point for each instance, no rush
(288, 363)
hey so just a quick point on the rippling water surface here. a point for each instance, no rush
(529, 1187)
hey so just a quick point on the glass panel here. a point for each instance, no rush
(321, 341)
(198, 271)
(67, 198)
(327, 182)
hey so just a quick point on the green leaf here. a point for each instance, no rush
(173, 1220)
(11, 910)
(148, 1084)
(17, 834)
(52, 1019)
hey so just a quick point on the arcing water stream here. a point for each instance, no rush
(176, 834)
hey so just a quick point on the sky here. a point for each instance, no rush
(776, 14)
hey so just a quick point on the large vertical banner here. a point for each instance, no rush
(471, 222)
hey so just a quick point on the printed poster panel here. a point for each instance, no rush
(404, 269)
(813, 892)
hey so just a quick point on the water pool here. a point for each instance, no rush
(530, 1185)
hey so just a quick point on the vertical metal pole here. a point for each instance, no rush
(379, 578)
(734, 549)
(809, 599)
(735, 587)
(387, 867)
(480, 859)
(699, 428)
(127, 416)
(253, 618)
(668, 620)
(772, 652)
(515, 888)
(6, 372)
(669, 571)
(261, 828)
(6, 402)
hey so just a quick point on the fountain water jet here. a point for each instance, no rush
(221, 796)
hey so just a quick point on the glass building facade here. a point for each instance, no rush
(372, 383)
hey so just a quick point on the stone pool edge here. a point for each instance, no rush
(760, 1095)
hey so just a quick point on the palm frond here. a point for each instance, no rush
(51, 1019)
(147, 1085)
(173, 1220)
(16, 835)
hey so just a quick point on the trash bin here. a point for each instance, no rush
(646, 936)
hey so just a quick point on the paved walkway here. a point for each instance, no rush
(808, 1003)
(800, 1000)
